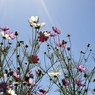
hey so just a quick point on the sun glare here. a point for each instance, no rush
(47, 12)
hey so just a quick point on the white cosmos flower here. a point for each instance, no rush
(54, 74)
(12, 92)
(47, 34)
(5, 35)
(33, 21)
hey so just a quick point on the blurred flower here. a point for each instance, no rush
(56, 30)
(79, 83)
(8, 35)
(65, 82)
(46, 33)
(54, 74)
(4, 28)
(43, 92)
(30, 74)
(43, 36)
(15, 75)
(33, 59)
(61, 44)
(4, 35)
(52, 34)
(11, 92)
(38, 72)
(80, 68)
(11, 35)
(33, 21)
(3, 86)
(31, 82)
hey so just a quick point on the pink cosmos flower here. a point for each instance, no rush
(65, 82)
(15, 75)
(11, 34)
(56, 30)
(4, 28)
(31, 82)
(52, 34)
(60, 44)
(80, 68)
(79, 83)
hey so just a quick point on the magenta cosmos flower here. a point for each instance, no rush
(4, 28)
(33, 59)
(79, 83)
(80, 68)
(65, 82)
(56, 30)
(43, 36)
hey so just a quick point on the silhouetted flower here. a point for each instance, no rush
(38, 72)
(3, 86)
(33, 59)
(65, 82)
(43, 92)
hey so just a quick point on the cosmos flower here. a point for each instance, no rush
(65, 82)
(4, 28)
(31, 82)
(6, 36)
(52, 34)
(78, 83)
(33, 21)
(61, 44)
(33, 59)
(43, 92)
(3, 86)
(54, 74)
(38, 72)
(80, 68)
(11, 92)
(11, 34)
(43, 36)
(56, 30)
(16, 76)
(46, 33)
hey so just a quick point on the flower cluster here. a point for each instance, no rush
(25, 67)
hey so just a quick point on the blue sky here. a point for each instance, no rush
(76, 17)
